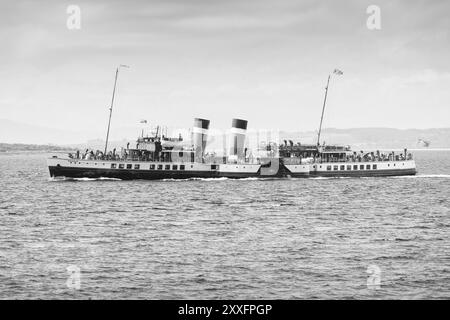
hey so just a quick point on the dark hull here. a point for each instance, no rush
(365, 173)
(130, 174)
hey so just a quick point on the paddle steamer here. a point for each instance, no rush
(159, 157)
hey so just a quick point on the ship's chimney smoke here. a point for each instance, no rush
(238, 131)
(199, 137)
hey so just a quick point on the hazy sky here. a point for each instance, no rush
(264, 60)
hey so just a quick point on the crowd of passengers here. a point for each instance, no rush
(124, 154)
(97, 155)
(369, 157)
(355, 157)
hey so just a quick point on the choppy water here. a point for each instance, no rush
(240, 239)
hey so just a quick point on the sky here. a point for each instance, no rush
(266, 61)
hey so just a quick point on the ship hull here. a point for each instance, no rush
(156, 171)
(367, 173)
(126, 174)
(148, 171)
(364, 169)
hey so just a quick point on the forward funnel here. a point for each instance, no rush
(200, 137)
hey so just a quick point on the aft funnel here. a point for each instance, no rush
(237, 138)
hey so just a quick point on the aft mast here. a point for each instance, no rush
(337, 72)
(112, 103)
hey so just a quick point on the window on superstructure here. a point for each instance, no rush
(342, 167)
(349, 167)
(374, 167)
(136, 166)
(167, 167)
(160, 166)
(181, 166)
(335, 167)
(121, 166)
(175, 167)
(152, 167)
(328, 168)
(361, 167)
(129, 166)
(355, 167)
(113, 165)
(368, 167)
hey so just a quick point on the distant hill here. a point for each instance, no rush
(16, 132)
(358, 138)
(381, 138)
(99, 144)
(16, 147)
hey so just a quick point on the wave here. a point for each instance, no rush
(327, 178)
(424, 176)
(216, 179)
(195, 179)
(59, 179)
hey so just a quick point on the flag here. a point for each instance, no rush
(143, 121)
(338, 72)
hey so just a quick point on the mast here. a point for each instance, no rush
(337, 72)
(111, 108)
(323, 109)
